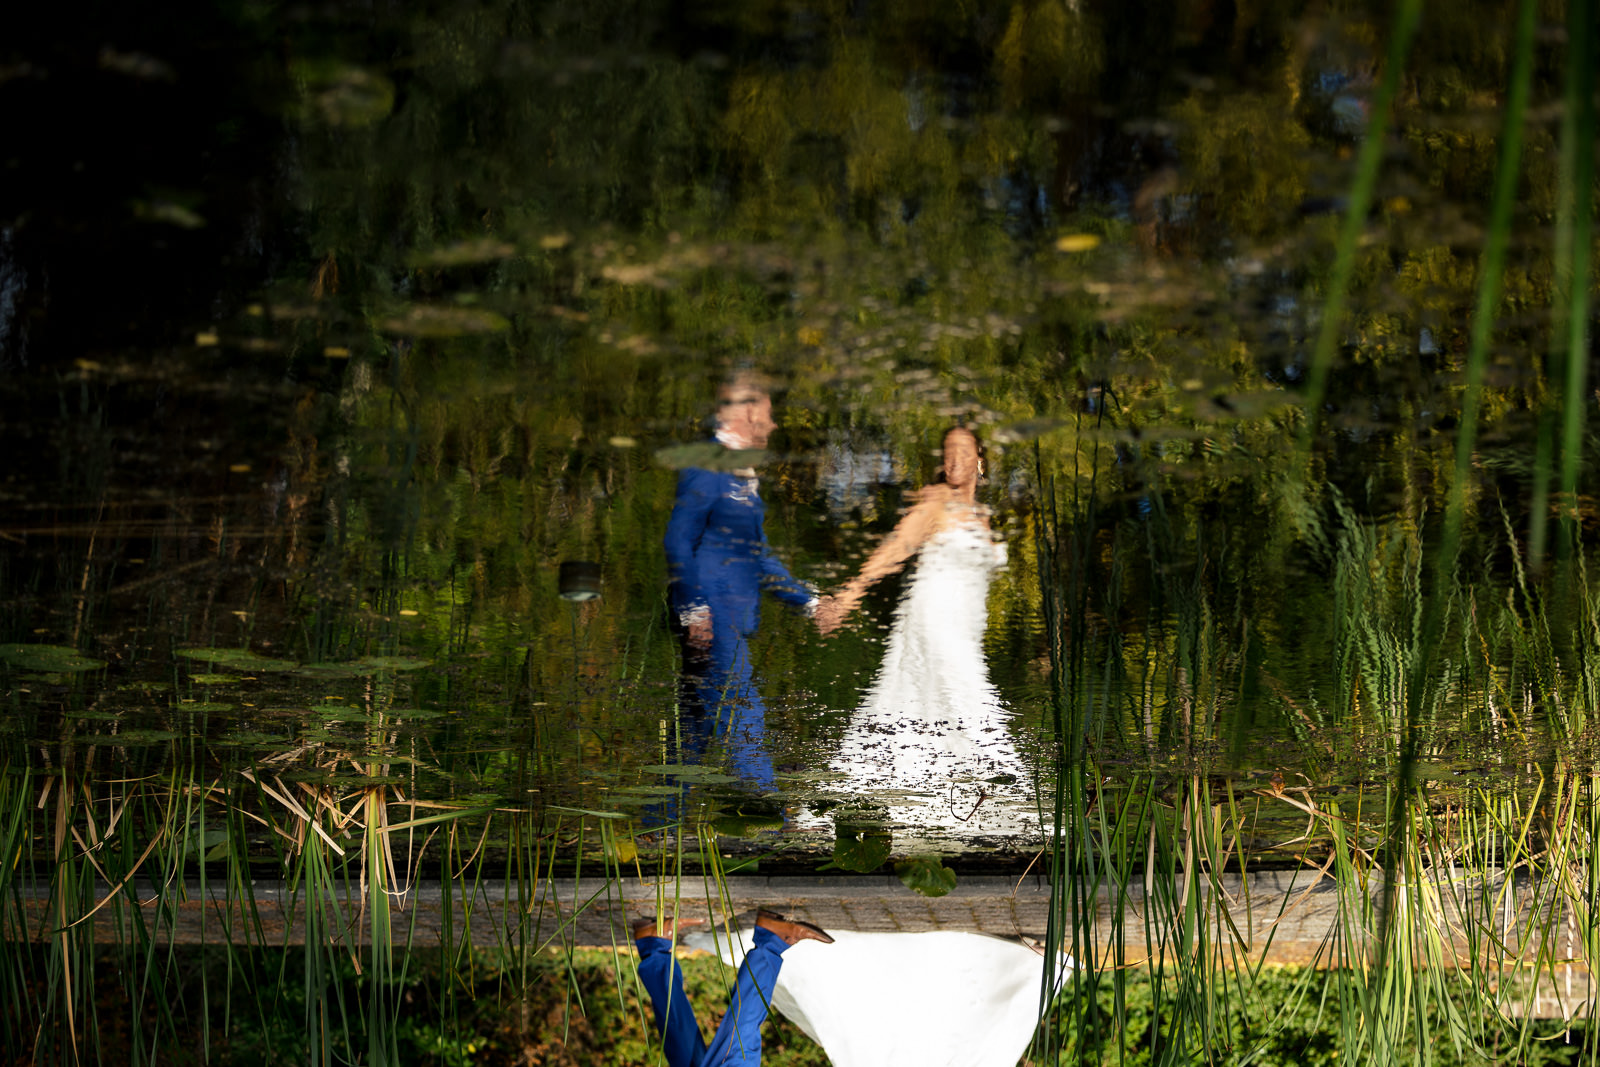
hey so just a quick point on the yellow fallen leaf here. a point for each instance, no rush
(1077, 242)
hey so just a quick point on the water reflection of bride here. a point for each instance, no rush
(929, 748)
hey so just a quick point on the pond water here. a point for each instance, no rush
(331, 334)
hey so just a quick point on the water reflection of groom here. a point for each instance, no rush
(718, 564)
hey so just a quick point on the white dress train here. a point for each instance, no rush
(936, 999)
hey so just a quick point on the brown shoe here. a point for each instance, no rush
(648, 927)
(792, 931)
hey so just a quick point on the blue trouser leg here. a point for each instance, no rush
(741, 716)
(718, 698)
(663, 980)
(738, 1040)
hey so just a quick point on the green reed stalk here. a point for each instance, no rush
(1572, 252)
(16, 807)
(382, 1047)
(325, 930)
(1491, 268)
(1407, 16)
(67, 1014)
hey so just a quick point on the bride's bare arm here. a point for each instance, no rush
(902, 543)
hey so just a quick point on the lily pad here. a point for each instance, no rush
(130, 737)
(740, 825)
(412, 713)
(361, 668)
(248, 737)
(471, 250)
(327, 670)
(391, 663)
(708, 455)
(927, 875)
(339, 713)
(237, 659)
(214, 679)
(433, 320)
(54, 658)
(689, 772)
(587, 811)
(860, 849)
(204, 706)
(341, 94)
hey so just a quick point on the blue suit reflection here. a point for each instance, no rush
(718, 560)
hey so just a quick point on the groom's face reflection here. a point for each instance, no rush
(748, 416)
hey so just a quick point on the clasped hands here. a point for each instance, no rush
(829, 613)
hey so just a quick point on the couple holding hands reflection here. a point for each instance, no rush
(931, 734)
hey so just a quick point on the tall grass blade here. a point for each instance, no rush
(1578, 138)
(1407, 16)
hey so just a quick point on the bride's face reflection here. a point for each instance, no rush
(960, 459)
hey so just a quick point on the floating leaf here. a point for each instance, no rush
(342, 94)
(927, 875)
(237, 659)
(472, 250)
(746, 825)
(644, 794)
(327, 670)
(708, 455)
(130, 737)
(214, 679)
(690, 773)
(48, 658)
(391, 663)
(1077, 242)
(168, 212)
(412, 713)
(588, 811)
(432, 320)
(248, 737)
(860, 849)
(339, 713)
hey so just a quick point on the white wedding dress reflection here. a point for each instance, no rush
(929, 752)
(936, 999)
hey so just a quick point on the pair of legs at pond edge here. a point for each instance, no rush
(737, 1042)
